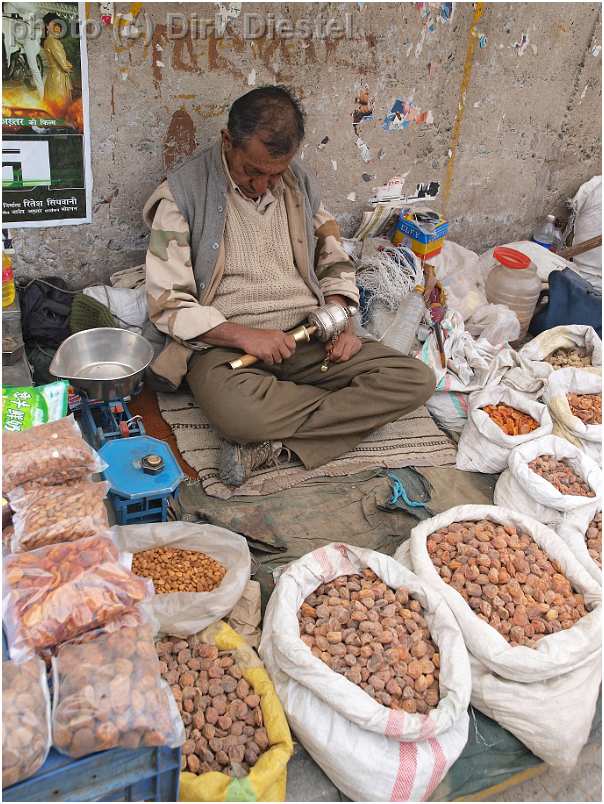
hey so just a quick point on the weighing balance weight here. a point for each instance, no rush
(143, 475)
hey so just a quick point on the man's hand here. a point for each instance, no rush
(345, 347)
(268, 345)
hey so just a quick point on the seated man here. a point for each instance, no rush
(241, 250)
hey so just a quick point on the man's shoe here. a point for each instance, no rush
(238, 461)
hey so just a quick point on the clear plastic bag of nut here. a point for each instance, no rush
(52, 514)
(55, 593)
(108, 693)
(47, 455)
(26, 736)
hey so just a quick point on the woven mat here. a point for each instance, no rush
(413, 440)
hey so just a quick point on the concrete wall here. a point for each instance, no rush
(506, 108)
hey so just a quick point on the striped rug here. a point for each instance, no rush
(413, 440)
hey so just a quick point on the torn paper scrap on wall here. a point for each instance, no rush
(403, 113)
(366, 155)
(363, 109)
(521, 46)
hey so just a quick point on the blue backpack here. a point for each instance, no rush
(571, 300)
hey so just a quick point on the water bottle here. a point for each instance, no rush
(545, 233)
(402, 332)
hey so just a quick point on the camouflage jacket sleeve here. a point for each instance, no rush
(172, 296)
(335, 271)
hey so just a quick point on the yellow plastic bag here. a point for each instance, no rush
(267, 779)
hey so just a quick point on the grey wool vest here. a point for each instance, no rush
(199, 188)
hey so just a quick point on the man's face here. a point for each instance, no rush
(252, 167)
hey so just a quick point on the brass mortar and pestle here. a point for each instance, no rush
(326, 324)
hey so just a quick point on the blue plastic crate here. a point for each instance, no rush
(144, 774)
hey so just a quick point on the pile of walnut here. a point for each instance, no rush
(507, 579)
(222, 715)
(513, 422)
(175, 570)
(587, 407)
(376, 637)
(574, 358)
(561, 475)
(593, 538)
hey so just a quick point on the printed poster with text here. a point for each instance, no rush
(46, 171)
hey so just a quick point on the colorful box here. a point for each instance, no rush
(425, 239)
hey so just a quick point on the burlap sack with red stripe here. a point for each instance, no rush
(370, 752)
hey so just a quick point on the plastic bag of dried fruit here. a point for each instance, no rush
(51, 514)
(25, 719)
(524, 490)
(267, 779)
(578, 420)
(185, 613)
(484, 446)
(55, 593)
(370, 751)
(47, 455)
(580, 343)
(545, 694)
(582, 532)
(108, 693)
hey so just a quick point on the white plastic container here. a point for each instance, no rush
(545, 233)
(514, 282)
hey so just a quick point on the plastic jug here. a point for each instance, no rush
(513, 281)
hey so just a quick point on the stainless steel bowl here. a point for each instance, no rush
(107, 363)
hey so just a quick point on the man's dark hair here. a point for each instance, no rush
(271, 112)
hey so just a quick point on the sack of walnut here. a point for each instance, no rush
(574, 399)
(25, 719)
(582, 532)
(184, 613)
(108, 693)
(238, 740)
(484, 446)
(576, 346)
(525, 487)
(534, 673)
(370, 750)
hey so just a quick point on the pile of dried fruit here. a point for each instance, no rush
(574, 358)
(174, 570)
(221, 712)
(513, 422)
(593, 538)
(561, 475)
(376, 637)
(587, 407)
(507, 579)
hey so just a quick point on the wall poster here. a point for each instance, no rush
(46, 170)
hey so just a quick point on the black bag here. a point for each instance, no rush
(571, 300)
(45, 311)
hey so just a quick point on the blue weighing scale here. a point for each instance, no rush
(143, 475)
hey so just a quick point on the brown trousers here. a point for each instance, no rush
(319, 416)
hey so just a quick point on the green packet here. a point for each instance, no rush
(29, 406)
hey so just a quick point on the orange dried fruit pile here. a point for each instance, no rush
(513, 422)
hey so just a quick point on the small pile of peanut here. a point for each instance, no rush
(513, 422)
(587, 407)
(593, 538)
(507, 579)
(573, 358)
(561, 475)
(376, 637)
(221, 712)
(174, 570)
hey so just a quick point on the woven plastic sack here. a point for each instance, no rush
(369, 751)
(546, 695)
(483, 446)
(588, 437)
(108, 693)
(25, 719)
(52, 514)
(54, 594)
(186, 613)
(523, 490)
(47, 455)
(267, 780)
(577, 336)
(573, 530)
